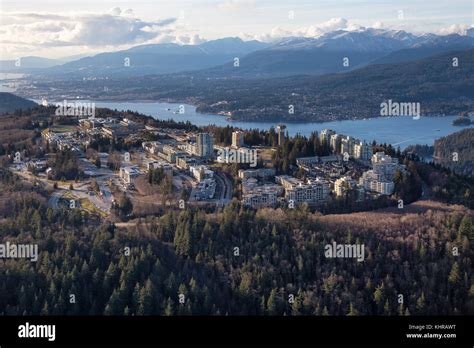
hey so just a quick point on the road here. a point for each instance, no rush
(226, 188)
(102, 175)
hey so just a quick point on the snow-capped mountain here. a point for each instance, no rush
(335, 51)
(325, 54)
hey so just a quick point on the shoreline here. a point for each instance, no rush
(295, 122)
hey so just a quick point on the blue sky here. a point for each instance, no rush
(61, 28)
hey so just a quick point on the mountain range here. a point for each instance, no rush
(336, 51)
(441, 88)
(155, 59)
(340, 51)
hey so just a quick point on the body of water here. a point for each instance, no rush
(398, 131)
(9, 81)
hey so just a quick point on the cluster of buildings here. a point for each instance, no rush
(206, 183)
(256, 194)
(312, 191)
(62, 140)
(380, 178)
(111, 127)
(346, 145)
(325, 175)
(201, 146)
(166, 167)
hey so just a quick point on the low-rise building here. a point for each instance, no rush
(260, 198)
(205, 189)
(94, 123)
(38, 165)
(167, 168)
(152, 147)
(312, 192)
(201, 172)
(183, 162)
(330, 158)
(114, 130)
(256, 173)
(343, 184)
(128, 174)
(170, 153)
(307, 161)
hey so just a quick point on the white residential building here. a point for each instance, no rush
(335, 143)
(167, 168)
(256, 173)
(280, 130)
(128, 174)
(238, 139)
(362, 151)
(325, 136)
(342, 184)
(204, 145)
(205, 189)
(260, 198)
(347, 145)
(380, 178)
(307, 161)
(201, 172)
(312, 192)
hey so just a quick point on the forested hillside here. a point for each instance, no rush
(456, 151)
(280, 253)
(10, 102)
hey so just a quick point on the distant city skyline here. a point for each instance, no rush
(59, 29)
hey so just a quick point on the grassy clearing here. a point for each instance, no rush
(63, 128)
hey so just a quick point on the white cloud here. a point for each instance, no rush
(43, 32)
(193, 39)
(460, 29)
(116, 11)
(315, 30)
(378, 25)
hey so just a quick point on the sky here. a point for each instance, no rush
(55, 29)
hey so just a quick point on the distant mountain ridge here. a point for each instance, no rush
(332, 52)
(439, 87)
(157, 59)
(340, 51)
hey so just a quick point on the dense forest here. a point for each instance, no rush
(64, 166)
(456, 151)
(235, 261)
